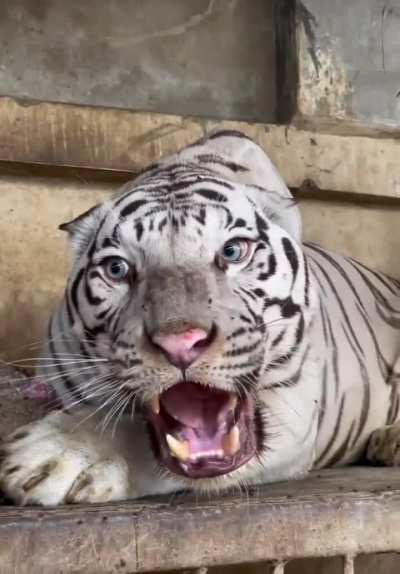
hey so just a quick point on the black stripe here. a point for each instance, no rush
(239, 222)
(340, 303)
(335, 355)
(322, 402)
(211, 195)
(292, 380)
(75, 287)
(278, 338)
(264, 276)
(287, 307)
(242, 350)
(384, 366)
(306, 282)
(92, 299)
(108, 242)
(300, 330)
(162, 224)
(225, 133)
(250, 294)
(237, 366)
(248, 381)
(237, 333)
(69, 384)
(139, 230)
(365, 404)
(334, 434)
(218, 160)
(391, 284)
(394, 403)
(256, 318)
(341, 451)
(132, 207)
(340, 270)
(68, 308)
(291, 256)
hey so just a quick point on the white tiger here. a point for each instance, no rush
(200, 345)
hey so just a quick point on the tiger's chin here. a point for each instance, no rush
(199, 431)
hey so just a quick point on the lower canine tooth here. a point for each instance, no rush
(180, 449)
(231, 442)
(232, 403)
(155, 405)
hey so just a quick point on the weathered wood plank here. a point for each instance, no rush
(110, 139)
(334, 513)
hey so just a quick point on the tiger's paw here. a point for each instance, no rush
(45, 463)
(384, 446)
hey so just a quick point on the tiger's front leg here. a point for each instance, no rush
(65, 458)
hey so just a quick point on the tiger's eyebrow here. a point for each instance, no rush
(240, 223)
(218, 160)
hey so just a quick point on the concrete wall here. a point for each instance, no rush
(202, 57)
(347, 63)
(328, 63)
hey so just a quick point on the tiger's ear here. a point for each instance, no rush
(81, 229)
(237, 157)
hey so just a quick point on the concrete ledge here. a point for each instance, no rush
(333, 513)
(111, 139)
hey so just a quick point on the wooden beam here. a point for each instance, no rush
(336, 512)
(126, 141)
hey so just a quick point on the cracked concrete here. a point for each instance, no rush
(192, 22)
(203, 57)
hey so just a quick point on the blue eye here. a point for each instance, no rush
(116, 268)
(235, 250)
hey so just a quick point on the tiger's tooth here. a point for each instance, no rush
(155, 405)
(231, 442)
(179, 448)
(232, 402)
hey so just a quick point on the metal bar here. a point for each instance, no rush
(348, 564)
(279, 567)
(126, 141)
(333, 513)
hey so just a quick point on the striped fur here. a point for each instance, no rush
(313, 336)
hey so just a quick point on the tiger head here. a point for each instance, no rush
(192, 287)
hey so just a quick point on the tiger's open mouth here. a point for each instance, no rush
(200, 431)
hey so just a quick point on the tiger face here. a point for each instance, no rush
(195, 293)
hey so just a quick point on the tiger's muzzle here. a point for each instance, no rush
(198, 430)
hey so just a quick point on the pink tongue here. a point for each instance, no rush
(197, 406)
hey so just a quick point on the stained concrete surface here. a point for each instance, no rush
(204, 57)
(214, 58)
(349, 61)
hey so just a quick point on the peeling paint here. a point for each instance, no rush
(324, 87)
(347, 57)
(309, 23)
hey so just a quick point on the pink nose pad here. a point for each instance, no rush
(181, 349)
